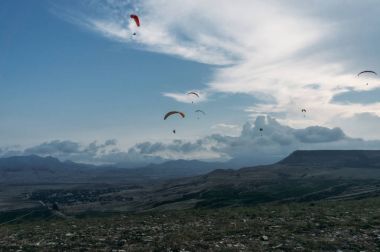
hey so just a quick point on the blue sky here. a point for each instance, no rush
(72, 71)
(61, 81)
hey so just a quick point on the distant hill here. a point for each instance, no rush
(21, 163)
(302, 176)
(35, 169)
(178, 168)
(346, 158)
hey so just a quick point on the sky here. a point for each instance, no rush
(76, 84)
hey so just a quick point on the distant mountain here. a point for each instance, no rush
(34, 169)
(346, 158)
(37, 162)
(302, 176)
(178, 168)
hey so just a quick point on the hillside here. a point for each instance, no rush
(302, 176)
(27, 180)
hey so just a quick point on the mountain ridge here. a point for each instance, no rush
(333, 157)
(20, 169)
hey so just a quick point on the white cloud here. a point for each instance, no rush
(225, 125)
(359, 125)
(226, 129)
(70, 150)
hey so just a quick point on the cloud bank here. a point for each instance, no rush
(250, 147)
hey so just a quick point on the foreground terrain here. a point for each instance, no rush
(352, 225)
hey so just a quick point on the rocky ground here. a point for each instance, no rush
(320, 226)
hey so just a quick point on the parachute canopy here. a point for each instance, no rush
(261, 129)
(200, 111)
(193, 93)
(367, 72)
(173, 113)
(303, 110)
(136, 19)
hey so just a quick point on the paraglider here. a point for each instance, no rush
(200, 111)
(137, 21)
(367, 74)
(181, 114)
(173, 113)
(193, 93)
(261, 131)
(303, 111)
